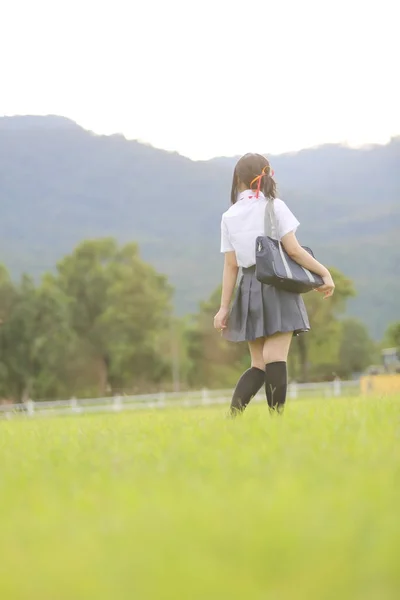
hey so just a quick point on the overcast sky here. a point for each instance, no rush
(207, 78)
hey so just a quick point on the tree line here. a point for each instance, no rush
(103, 323)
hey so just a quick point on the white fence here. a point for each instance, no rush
(162, 400)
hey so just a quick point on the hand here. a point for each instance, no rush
(221, 318)
(328, 288)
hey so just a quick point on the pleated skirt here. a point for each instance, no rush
(260, 310)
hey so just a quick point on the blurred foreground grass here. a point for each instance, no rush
(184, 504)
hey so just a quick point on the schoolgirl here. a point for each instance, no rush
(264, 316)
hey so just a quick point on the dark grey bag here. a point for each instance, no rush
(275, 267)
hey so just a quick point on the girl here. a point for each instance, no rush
(264, 316)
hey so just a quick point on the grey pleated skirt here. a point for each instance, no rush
(260, 310)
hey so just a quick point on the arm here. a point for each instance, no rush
(228, 285)
(301, 256)
(304, 259)
(229, 278)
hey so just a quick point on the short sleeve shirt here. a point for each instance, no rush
(243, 222)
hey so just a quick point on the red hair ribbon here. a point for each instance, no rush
(259, 178)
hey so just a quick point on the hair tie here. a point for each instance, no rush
(259, 178)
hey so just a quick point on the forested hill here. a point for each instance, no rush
(60, 184)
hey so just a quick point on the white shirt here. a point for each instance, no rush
(243, 222)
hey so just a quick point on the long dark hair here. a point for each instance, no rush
(247, 169)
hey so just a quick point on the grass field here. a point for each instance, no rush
(184, 504)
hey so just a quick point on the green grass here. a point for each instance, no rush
(184, 504)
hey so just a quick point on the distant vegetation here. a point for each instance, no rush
(106, 319)
(102, 324)
(60, 185)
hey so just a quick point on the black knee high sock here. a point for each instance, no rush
(248, 385)
(276, 385)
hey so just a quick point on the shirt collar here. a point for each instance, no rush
(249, 195)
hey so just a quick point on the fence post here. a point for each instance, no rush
(337, 387)
(74, 405)
(161, 399)
(117, 403)
(30, 407)
(204, 396)
(293, 390)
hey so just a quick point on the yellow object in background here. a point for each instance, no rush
(380, 384)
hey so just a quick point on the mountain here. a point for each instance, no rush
(60, 184)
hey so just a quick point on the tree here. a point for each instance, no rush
(392, 335)
(214, 361)
(7, 299)
(119, 308)
(7, 293)
(35, 342)
(320, 347)
(357, 350)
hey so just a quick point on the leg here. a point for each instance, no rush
(275, 353)
(251, 380)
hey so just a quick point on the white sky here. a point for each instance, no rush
(207, 78)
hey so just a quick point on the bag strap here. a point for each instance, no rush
(270, 224)
(271, 230)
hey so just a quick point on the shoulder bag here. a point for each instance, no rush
(275, 267)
